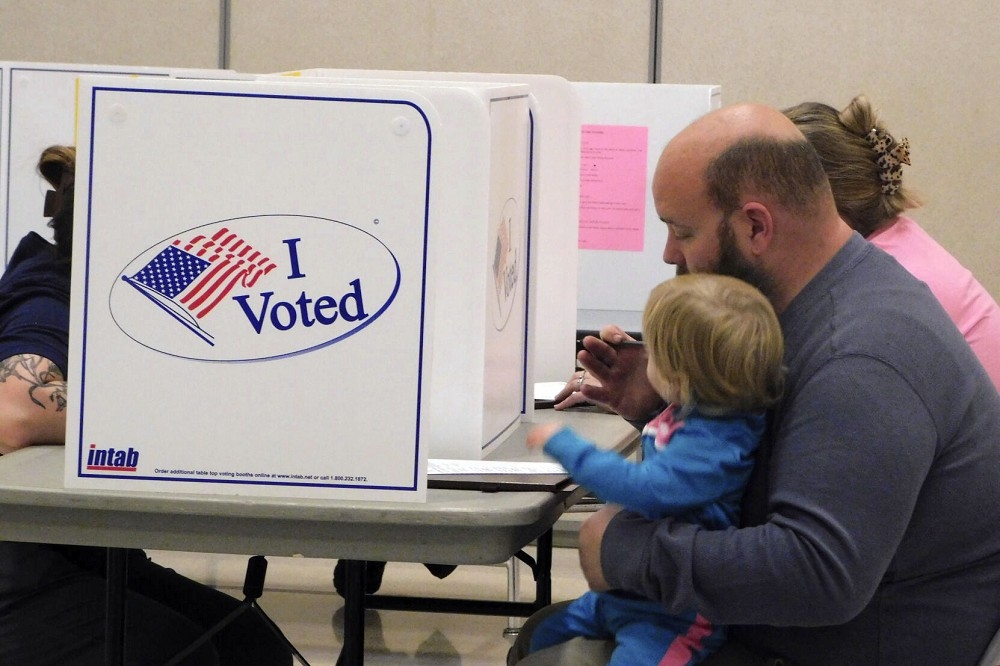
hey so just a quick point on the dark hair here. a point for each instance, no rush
(57, 164)
(787, 171)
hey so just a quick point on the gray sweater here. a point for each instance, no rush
(871, 526)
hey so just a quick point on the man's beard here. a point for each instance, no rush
(734, 264)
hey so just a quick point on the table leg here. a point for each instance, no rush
(353, 652)
(543, 573)
(114, 612)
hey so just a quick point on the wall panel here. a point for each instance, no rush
(582, 40)
(165, 33)
(931, 68)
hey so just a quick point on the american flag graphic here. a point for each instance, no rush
(195, 276)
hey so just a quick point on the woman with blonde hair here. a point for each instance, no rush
(864, 163)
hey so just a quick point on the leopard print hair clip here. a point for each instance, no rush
(890, 158)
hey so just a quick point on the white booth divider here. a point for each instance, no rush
(554, 109)
(294, 289)
(625, 127)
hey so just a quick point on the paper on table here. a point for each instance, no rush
(548, 390)
(449, 466)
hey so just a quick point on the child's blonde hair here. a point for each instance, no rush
(717, 340)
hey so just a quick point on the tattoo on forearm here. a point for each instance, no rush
(38, 373)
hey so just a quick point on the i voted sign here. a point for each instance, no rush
(508, 239)
(255, 288)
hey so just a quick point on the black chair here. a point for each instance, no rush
(253, 588)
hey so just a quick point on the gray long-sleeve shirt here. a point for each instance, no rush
(872, 522)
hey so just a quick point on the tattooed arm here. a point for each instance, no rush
(32, 402)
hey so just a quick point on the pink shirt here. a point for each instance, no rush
(967, 302)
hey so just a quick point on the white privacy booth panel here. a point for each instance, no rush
(37, 110)
(268, 270)
(498, 367)
(624, 129)
(554, 109)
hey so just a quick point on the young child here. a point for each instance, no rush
(715, 356)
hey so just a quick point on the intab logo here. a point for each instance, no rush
(112, 460)
(255, 288)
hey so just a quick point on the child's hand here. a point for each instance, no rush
(540, 434)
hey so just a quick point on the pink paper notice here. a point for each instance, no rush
(613, 187)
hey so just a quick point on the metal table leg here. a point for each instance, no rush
(353, 652)
(114, 614)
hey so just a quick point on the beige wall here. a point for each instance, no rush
(168, 33)
(592, 40)
(932, 68)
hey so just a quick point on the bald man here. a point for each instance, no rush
(871, 527)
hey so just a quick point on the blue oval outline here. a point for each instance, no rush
(343, 336)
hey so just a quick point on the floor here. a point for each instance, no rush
(299, 597)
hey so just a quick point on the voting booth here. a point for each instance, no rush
(553, 205)
(507, 384)
(294, 289)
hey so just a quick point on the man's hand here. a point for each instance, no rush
(621, 373)
(591, 534)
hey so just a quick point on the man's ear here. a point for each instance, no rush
(759, 230)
